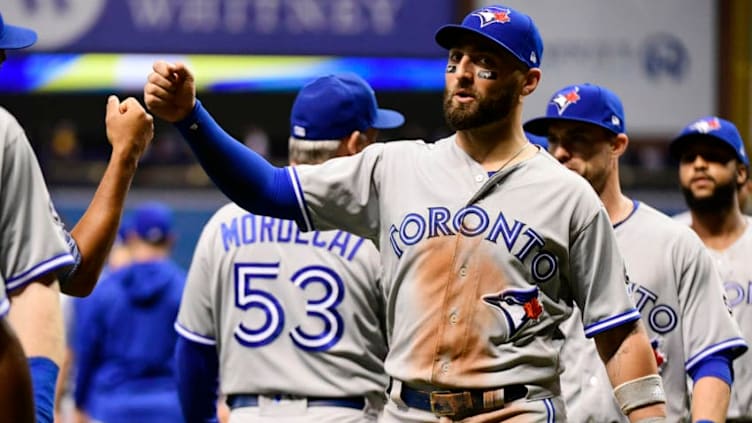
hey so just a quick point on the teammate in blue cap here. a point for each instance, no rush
(331, 358)
(124, 341)
(713, 168)
(486, 242)
(671, 277)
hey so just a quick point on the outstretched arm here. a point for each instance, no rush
(129, 130)
(630, 363)
(244, 176)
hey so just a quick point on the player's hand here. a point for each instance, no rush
(170, 91)
(129, 128)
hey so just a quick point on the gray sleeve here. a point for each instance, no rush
(195, 319)
(598, 278)
(707, 324)
(33, 241)
(342, 193)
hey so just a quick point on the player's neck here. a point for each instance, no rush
(495, 146)
(719, 229)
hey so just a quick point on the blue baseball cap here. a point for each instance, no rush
(582, 103)
(152, 221)
(512, 30)
(711, 128)
(15, 37)
(333, 106)
(538, 140)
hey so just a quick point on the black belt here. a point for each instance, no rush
(461, 404)
(251, 400)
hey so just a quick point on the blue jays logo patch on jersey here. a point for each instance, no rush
(566, 99)
(492, 15)
(660, 357)
(706, 125)
(518, 306)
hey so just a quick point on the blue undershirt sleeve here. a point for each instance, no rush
(717, 365)
(197, 376)
(241, 174)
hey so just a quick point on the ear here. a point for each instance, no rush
(532, 78)
(351, 143)
(620, 144)
(742, 174)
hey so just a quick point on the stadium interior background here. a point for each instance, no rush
(676, 79)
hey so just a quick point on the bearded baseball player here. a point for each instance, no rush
(671, 277)
(486, 242)
(293, 320)
(713, 165)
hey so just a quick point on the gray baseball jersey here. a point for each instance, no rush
(479, 271)
(679, 294)
(33, 240)
(735, 267)
(290, 312)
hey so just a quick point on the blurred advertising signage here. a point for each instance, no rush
(280, 27)
(660, 57)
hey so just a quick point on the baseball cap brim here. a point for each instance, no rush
(387, 119)
(448, 35)
(16, 37)
(539, 126)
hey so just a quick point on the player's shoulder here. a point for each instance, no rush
(9, 126)
(659, 225)
(545, 172)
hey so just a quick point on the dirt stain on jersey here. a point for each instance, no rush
(453, 345)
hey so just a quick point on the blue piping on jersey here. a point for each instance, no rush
(4, 307)
(612, 322)
(550, 410)
(635, 205)
(300, 196)
(193, 336)
(736, 346)
(60, 260)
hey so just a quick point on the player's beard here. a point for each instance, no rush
(722, 198)
(497, 106)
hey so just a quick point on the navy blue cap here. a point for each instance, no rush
(512, 30)
(711, 128)
(333, 106)
(152, 221)
(582, 103)
(538, 140)
(15, 37)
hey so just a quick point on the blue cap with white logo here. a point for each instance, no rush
(582, 103)
(333, 106)
(714, 129)
(15, 37)
(512, 30)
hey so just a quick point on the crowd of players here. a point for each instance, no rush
(498, 270)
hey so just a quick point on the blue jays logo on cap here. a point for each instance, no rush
(562, 100)
(704, 126)
(585, 103)
(489, 16)
(711, 128)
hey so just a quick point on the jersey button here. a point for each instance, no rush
(445, 368)
(479, 178)
(453, 318)
(463, 271)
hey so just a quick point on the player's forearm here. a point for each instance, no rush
(710, 399)
(627, 354)
(95, 232)
(244, 176)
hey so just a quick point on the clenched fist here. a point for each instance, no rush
(170, 91)
(130, 128)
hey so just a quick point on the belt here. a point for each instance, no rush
(461, 404)
(251, 400)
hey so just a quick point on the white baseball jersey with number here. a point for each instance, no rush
(290, 312)
(679, 294)
(33, 242)
(735, 267)
(479, 271)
